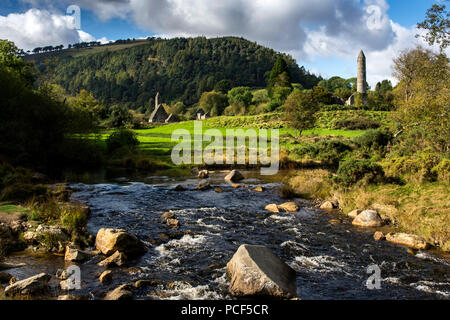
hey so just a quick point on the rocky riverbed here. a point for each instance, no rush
(190, 236)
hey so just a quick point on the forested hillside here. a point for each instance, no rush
(180, 69)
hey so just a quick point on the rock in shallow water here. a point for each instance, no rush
(368, 218)
(272, 208)
(74, 255)
(353, 214)
(409, 240)
(234, 176)
(121, 293)
(203, 185)
(289, 207)
(117, 259)
(204, 174)
(31, 286)
(256, 271)
(109, 241)
(105, 276)
(327, 206)
(379, 236)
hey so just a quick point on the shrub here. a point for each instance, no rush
(442, 170)
(374, 140)
(22, 192)
(73, 219)
(356, 124)
(122, 138)
(353, 171)
(331, 152)
(423, 166)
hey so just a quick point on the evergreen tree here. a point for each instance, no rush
(279, 76)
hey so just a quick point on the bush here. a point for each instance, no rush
(22, 192)
(122, 138)
(356, 124)
(442, 170)
(73, 219)
(423, 166)
(374, 141)
(331, 152)
(353, 171)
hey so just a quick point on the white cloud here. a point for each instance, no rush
(303, 28)
(37, 28)
(306, 29)
(278, 24)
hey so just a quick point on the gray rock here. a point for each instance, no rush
(121, 293)
(167, 215)
(74, 255)
(117, 259)
(106, 276)
(327, 205)
(368, 218)
(31, 286)
(108, 241)
(204, 174)
(256, 271)
(410, 240)
(234, 175)
(354, 213)
(203, 185)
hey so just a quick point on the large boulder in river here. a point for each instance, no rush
(234, 176)
(256, 271)
(409, 240)
(31, 286)
(368, 218)
(109, 241)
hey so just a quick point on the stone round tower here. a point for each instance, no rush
(361, 85)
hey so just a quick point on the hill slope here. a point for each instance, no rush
(180, 69)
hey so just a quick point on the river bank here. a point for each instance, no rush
(418, 208)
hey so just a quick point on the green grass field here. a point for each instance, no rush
(156, 143)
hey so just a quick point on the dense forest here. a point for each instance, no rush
(180, 69)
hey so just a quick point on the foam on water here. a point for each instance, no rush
(186, 242)
(322, 264)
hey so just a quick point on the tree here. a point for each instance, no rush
(240, 94)
(86, 101)
(300, 110)
(437, 26)
(279, 76)
(213, 102)
(10, 58)
(120, 116)
(223, 86)
(422, 96)
(323, 96)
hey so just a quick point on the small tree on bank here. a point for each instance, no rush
(300, 110)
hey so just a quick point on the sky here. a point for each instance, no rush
(325, 36)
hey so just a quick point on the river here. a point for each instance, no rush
(331, 259)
